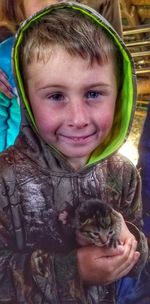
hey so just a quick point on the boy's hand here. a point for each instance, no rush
(101, 265)
(125, 233)
(5, 87)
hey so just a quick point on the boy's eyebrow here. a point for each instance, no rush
(91, 85)
(98, 84)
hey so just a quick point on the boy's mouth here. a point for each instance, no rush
(75, 138)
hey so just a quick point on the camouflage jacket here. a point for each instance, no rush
(38, 186)
(37, 251)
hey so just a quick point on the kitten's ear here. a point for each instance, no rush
(115, 216)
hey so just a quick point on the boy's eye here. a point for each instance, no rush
(93, 94)
(56, 97)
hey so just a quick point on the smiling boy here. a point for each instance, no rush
(81, 106)
(76, 80)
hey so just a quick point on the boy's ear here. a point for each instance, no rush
(109, 9)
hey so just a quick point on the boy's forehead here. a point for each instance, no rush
(57, 54)
(66, 71)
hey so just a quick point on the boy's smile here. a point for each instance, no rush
(73, 103)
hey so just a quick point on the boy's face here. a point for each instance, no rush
(73, 103)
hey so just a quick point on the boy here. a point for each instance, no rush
(10, 115)
(67, 61)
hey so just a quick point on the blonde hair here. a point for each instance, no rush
(73, 31)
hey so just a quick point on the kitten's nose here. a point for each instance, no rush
(103, 239)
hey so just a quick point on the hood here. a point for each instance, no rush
(127, 96)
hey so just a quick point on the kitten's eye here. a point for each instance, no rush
(86, 233)
(94, 234)
(111, 232)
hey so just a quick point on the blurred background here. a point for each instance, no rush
(136, 34)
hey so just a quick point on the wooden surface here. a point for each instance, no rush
(136, 15)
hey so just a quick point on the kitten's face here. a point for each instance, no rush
(96, 230)
(97, 223)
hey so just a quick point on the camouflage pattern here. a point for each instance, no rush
(37, 248)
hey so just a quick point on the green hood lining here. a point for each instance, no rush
(127, 94)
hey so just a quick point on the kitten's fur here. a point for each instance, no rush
(97, 223)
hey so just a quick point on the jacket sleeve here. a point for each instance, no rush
(110, 10)
(31, 275)
(132, 211)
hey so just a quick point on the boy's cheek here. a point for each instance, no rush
(106, 123)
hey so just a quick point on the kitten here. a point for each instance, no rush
(97, 223)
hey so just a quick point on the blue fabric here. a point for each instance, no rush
(134, 290)
(9, 108)
(5, 58)
(144, 165)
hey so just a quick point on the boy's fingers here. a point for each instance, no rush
(130, 265)
(125, 271)
(109, 252)
(129, 258)
(121, 261)
(123, 264)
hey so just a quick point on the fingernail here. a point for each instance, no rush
(137, 255)
(130, 241)
(120, 248)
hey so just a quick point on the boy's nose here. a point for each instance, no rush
(79, 116)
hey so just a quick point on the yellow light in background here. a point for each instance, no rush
(129, 150)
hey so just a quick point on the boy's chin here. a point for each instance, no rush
(76, 153)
